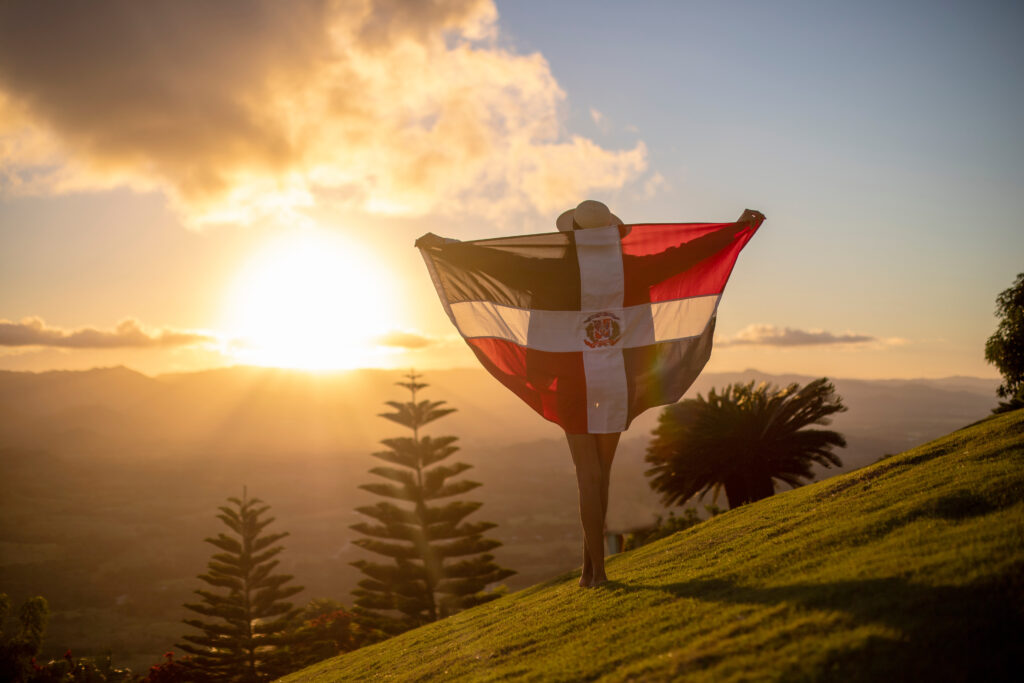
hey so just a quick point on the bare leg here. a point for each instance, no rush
(592, 454)
(587, 575)
(606, 445)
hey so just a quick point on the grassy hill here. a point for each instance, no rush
(909, 569)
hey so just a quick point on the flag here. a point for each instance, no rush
(591, 327)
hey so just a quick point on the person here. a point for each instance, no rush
(592, 453)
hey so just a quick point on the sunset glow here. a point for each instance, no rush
(187, 186)
(253, 250)
(309, 299)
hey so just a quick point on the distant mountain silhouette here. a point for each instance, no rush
(246, 410)
(110, 478)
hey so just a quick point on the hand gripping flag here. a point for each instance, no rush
(591, 327)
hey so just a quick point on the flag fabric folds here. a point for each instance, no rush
(591, 327)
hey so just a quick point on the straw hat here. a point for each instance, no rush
(589, 214)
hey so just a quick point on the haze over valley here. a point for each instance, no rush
(111, 478)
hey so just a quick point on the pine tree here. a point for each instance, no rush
(249, 616)
(440, 562)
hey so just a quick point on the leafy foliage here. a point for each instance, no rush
(439, 562)
(1005, 348)
(19, 648)
(666, 526)
(169, 671)
(326, 629)
(247, 615)
(742, 439)
(84, 670)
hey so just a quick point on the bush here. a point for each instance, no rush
(666, 527)
(169, 671)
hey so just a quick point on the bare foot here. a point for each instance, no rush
(586, 578)
(597, 581)
(587, 575)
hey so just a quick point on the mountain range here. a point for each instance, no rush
(111, 479)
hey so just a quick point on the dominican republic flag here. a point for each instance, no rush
(595, 326)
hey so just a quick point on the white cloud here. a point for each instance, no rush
(770, 335)
(241, 110)
(653, 185)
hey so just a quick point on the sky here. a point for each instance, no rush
(186, 185)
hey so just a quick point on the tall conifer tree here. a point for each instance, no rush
(250, 614)
(440, 563)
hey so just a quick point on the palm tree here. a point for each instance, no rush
(742, 439)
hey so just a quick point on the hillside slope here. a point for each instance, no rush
(910, 569)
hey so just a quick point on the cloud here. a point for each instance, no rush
(656, 183)
(896, 341)
(405, 340)
(242, 110)
(128, 333)
(770, 335)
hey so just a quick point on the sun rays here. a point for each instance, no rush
(310, 299)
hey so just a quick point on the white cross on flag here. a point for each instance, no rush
(594, 326)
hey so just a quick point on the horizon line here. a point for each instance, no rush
(239, 367)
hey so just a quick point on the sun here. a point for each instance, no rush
(310, 299)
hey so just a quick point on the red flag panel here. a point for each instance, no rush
(527, 290)
(552, 383)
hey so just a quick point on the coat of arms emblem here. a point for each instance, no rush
(602, 329)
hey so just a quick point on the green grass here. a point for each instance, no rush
(909, 569)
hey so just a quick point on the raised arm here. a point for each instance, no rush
(702, 247)
(685, 256)
(511, 268)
